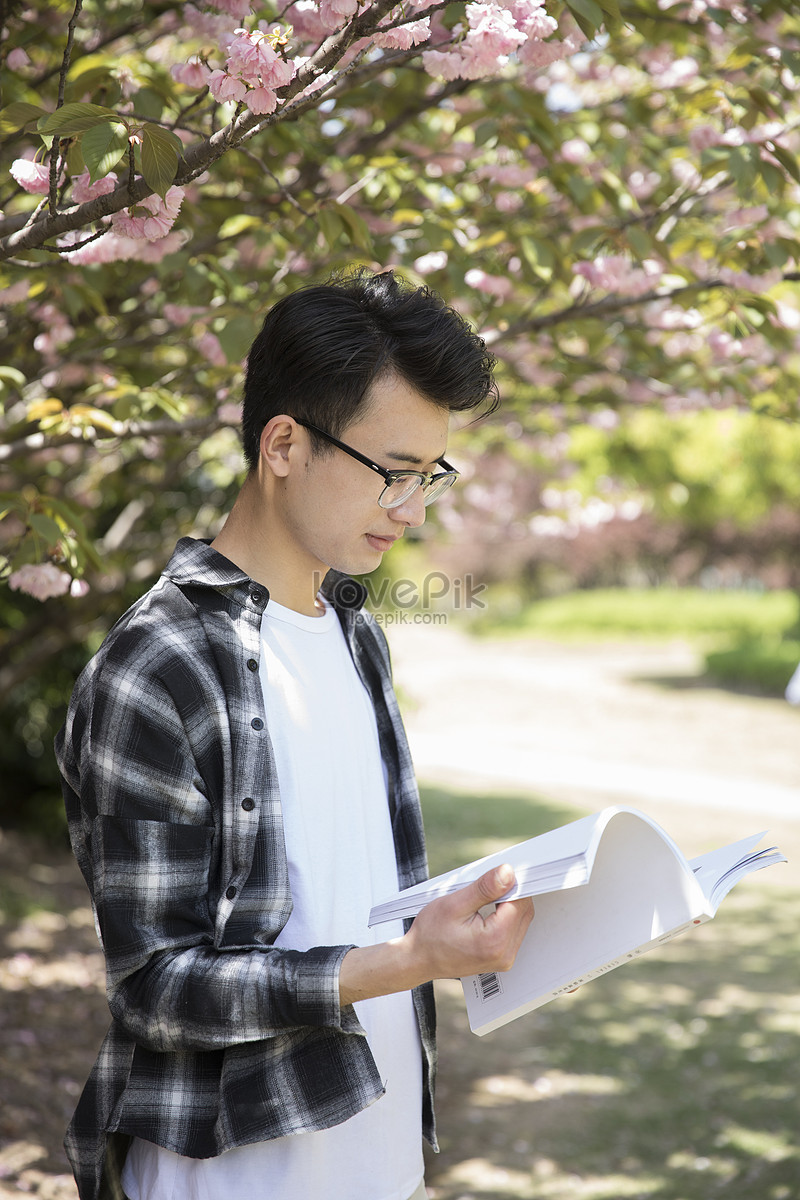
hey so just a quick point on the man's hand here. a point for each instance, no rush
(448, 939)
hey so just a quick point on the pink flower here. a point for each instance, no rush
(334, 13)
(443, 64)
(32, 176)
(40, 580)
(261, 100)
(531, 18)
(14, 293)
(206, 25)
(492, 36)
(538, 54)
(155, 222)
(229, 414)
(224, 88)
(193, 74)
(493, 285)
(304, 17)
(234, 8)
(613, 273)
(17, 59)
(405, 36)
(79, 587)
(83, 189)
(210, 347)
(575, 150)
(253, 58)
(179, 314)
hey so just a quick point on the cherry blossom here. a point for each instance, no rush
(17, 59)
(225, 88)
(404, 36)
(235, 8)
(31, 176)
(40, 580)
(334, 13)
(83, 189)
(613, 273)
(493, 285)
(57, 331)
(193, 74)
(210, 347)
(304, 17)
(155, 222)
(112, 247)
(261, 100)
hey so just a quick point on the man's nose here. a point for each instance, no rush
(411, 512)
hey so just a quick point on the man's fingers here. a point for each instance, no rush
(493, 885)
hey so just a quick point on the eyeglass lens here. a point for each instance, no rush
(403, 488)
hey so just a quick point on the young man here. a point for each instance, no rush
(240, 792)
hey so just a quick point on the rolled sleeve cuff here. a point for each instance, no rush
(317, 990)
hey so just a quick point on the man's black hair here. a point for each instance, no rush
(321, 348)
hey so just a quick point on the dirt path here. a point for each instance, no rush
(598, 724)
(586, 726)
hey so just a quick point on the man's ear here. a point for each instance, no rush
(275, 445)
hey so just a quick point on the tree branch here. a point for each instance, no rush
(202, 155)
(34, 442)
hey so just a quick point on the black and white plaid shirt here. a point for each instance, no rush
(218, 1038)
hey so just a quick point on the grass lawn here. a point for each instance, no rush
(673, 1078)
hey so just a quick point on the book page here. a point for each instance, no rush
(560, 858)
(719, 870)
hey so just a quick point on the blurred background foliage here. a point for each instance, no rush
(622, 226)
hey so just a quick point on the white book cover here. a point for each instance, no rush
(608, 887)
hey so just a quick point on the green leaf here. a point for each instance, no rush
(97, 80)
(539, 257)
(360, 236)
(239, 223)
(236, 337)
(103, 147)
(46, 528)
(786, 159)
(76, 118)
(331, 225)
(588, 14)
(611, 7)
(17, 116)
(160, 150)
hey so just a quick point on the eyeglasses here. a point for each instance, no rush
(400, 485)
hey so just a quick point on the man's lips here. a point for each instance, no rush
(382, 543)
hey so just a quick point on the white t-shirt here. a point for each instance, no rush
(341, 861)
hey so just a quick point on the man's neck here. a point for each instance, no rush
(265, 553)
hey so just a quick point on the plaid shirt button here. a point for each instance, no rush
(230, 893)
(257, 723)
(252, 664)
(248, 804)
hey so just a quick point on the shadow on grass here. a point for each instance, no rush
(673, 1078)
(705, 682)
(53, 1011)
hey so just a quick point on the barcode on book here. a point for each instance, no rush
(490, 985)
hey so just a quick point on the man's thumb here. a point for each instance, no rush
(494, 884)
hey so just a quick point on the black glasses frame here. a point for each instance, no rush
(426, 478)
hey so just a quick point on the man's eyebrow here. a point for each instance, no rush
(414, 459)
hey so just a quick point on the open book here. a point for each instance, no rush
(609, 887)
